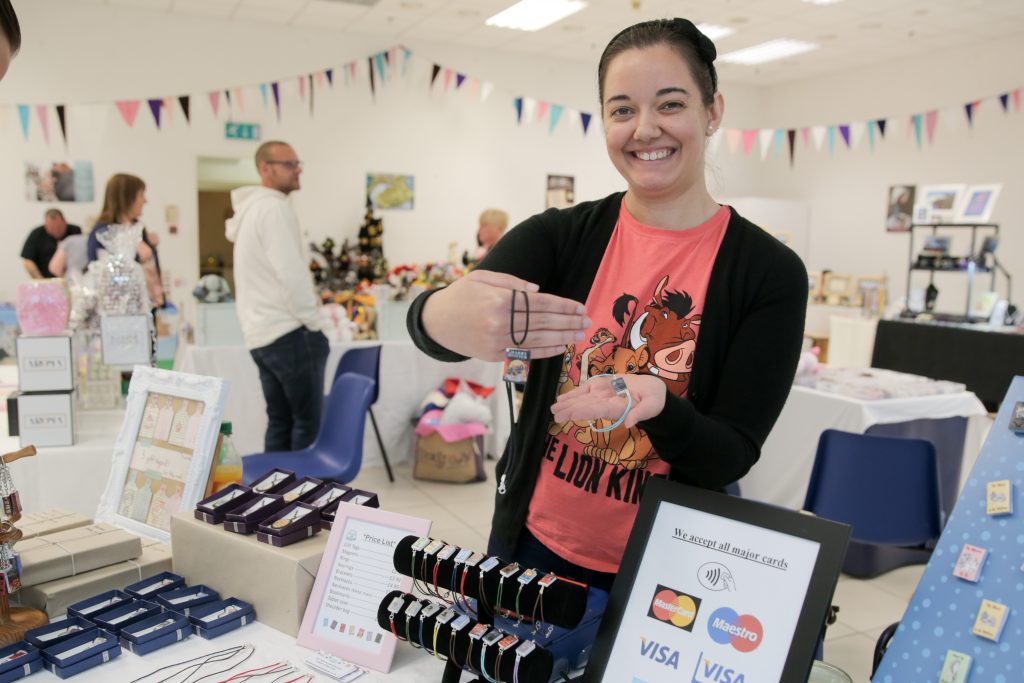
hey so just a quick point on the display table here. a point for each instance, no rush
(982, 357)
(782, 474)
(406, 377)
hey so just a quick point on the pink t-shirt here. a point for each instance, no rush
(646, 304)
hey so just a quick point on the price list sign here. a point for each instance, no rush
(356, 572)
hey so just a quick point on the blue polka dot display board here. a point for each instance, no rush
(941, 615)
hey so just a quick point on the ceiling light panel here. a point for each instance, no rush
(715, 32)
(770, 51)
(533, 15)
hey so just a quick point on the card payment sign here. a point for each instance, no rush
(674, 607)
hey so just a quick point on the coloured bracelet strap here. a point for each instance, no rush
(620, 389)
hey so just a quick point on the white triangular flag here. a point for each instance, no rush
(818, 136)
(765, 136)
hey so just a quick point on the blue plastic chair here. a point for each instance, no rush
(337, 452)
(365, 360)
(886, 488)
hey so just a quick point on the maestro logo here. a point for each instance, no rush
(674, 607)
(710, 671)
(662, 654)
(743, 631)
(715, 576)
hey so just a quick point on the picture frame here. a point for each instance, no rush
(695, 561)
(126, 340)
(339, 621)
(164, 452)
(978, 203)
(942, 201)
(836, 288)
(922, 214)
(900, 210)
(871, 292)
(814, 284)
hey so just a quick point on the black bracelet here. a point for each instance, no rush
(512, 319)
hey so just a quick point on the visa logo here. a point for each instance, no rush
(710, 671)
(662, 654)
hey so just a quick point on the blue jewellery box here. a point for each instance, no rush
(273, 481)
(115, 619)
(75, 655)
(147, 589)
(217, 618)
(155, 632)
(244, 519)
(57, 631)
(212, 509)
(300, 488)
(185, 599)
(90, 607)
(293, 523)
(19, 660)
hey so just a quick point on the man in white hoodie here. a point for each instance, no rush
(276, 302)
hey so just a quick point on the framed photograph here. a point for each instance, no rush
(922, 214)
(942, 201)
(870, 292)
(936, 245)
(697, 561)
(126, 340)
(814, 282)
(356, 571)
(979, 200)
(561, 193)
(164, 454)
(59, 181)
(900, 212)
(836, 288)
(391, 190)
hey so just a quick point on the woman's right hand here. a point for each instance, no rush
(472, 316)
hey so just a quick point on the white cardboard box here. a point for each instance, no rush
(46, 419)
(44, 364)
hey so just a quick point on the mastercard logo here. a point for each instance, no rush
(674, 607)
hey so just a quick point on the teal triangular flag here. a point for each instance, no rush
(23, 114)
(556, 113)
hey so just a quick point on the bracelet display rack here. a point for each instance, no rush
(480, 587)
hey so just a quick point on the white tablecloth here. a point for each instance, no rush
(406, 376)
(784, 470)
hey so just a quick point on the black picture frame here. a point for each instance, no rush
(831, 537)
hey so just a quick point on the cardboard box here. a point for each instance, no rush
(75, 551)
(46, 419)
(53, 597)
(276, 581)
(458, 462)
(49, 521)
(44, 364)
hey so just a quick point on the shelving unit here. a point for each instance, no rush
(964, 264)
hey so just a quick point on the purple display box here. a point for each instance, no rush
(213, 509)
(245, 518)
(303, 527)
(273, 481)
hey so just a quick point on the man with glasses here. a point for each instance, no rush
(276, 302)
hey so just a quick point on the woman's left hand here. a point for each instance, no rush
(595, 399)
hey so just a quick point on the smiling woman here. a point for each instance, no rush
(665, 328)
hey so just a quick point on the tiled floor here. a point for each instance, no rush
(461, 514)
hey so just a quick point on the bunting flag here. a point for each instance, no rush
(129, 110)
(844, 130)
(915, 122)
(529, 109)
(352, 70)
(379, 58)
(805, 133)
(556, 113)
(1016, 100)
(435, 70)
(765, 136)
(154, 107)
(871, 135)
(373, 85)
(459, 80)
(43, 114)
(585, 121)
(168, 105)
(542, 109)
(263, 94)
(970, 107)
(487, 88)
(881, 126)
(780, 135)
(447, 79)
(23, 114)
(275, 89)
(62, 120)
(311, 94)
(474, 88)
(214, 96)
(329, 73)
(732, 139)
(856, 132)
(319, 79)
(791, 137)
(1004, 100)
(184, 102)
(518, 104)
(227, 98)
(302, 87)
(749, 138)
(240, 100)
(406, 56)
(930, 119)
(818, 136)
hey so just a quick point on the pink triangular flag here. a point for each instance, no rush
(749, 138)
(129, 110)
(1016, 100)
(447, 78)
(474, 88)
(168, 108)
(302, 87)
(805, 133)
(240, 100)
(352, 70)
(732, 139)
(215, 101)
(930, 119)
(542, 109)
(43, 114)
(319, 79)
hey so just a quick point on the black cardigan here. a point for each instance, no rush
(751, 333)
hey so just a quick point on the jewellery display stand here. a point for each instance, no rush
(14, 621)
(496, 586)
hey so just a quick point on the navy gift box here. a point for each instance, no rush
(155, 632)
(217, 618)
(149, 588)
(212, 509)
(14, 666)
(90, 607)
(58, 631)
(184, 599)
(75, 655)
(115, 619)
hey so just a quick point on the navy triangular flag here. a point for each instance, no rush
(518, 102)
(184, 102)
(227, 96)
(433, 74)
(1004, 100)
(459, 79)
(881, 126)
(373, 85)
(791, 136)
(275, 87)
(585, 120)
(63, 122)
(330, 77)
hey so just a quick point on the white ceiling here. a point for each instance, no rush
(852, 33)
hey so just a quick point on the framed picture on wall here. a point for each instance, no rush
(164, 453)
(561, 192)
(979, 200)
(942, 201)
(900, 212)
(836, 288)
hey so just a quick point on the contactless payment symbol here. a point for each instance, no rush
(715, 576)
(674, 607)
(743, 631)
